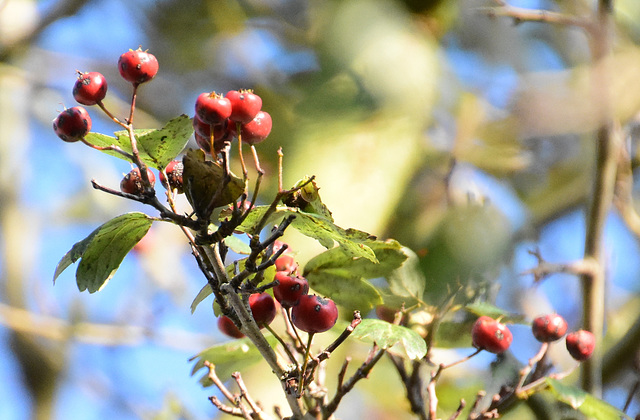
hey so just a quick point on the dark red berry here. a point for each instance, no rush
(226, 325)
(72, 124)
(286, 263)
(491, 335)
(581, 344)
(290, 288)
(220, 131)
(314, 314)
(204, 145)
(213, 108)
(132, 182)
(256, 130)
(90, 88)
(245, 105)
(386, 313)
(174, 171)
(549, 328)
(137, 66)
(263, 308)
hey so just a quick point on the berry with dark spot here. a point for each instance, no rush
(213, 108)
(581, 344)
(314, 314)
(138, 66)
(258, 129)
(174, 171)
(263, 308)
(132, 182)
(490, 335)
(549, 328)
(290, 288)
(245, 105)
(90, 88)
(72, 124)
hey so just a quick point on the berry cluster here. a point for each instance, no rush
(309, 313)
(219, 118)
(493, 336)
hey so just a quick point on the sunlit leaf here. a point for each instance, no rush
(407, 280)
(156, 147)
(204, 293)
(345, 289)
(229, 357)
(202, 179)
(102, 252)
(584, 402)
(487, 309)
(395, 338)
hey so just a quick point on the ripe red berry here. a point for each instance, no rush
(245, 105)
(290, 288)
(258, 129)
(581, 344)
(549, 328)
(213, 108)
(174, 171)
(226, 325)
(132, 182)
(314, 314)
(491, 335)
(90, 88)
(286, 263)
(72, 124)
(137, 66)
(263, 308)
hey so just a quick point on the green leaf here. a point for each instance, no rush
(202, 179)
(352, 241)
(487, 309)
(395, 338)
(102, 252)
(204, 293)
(237, 245)
(345, 289)
(584, 402)
(307, 199)
(229, 357)
(156, 147)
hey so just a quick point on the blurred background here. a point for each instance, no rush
(467, 138)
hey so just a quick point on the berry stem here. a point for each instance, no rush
(110, 115)
(307, 352)
(284, 345)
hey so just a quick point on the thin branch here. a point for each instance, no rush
(520, 14)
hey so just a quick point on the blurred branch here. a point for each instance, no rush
(60, 10)
(520, 14)
(52, 328)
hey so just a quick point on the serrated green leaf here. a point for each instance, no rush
(237, 245)
(584, 402)
(102, 252)
(487, 309)
(395, 338)
(201, 181)
(74, 254)
(204, 293)
(389, 255)
(353, 241)
(229, 357)
(156, 147)
(345, 289)
(407, 280)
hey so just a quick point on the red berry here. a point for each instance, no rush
(132, 182)
(72, 124)
(258, 129)
(286, 263)
(549, 328)
(491, 335)
(226, 325)
(174, 171)
(220, 131)
(244, 105)
(90, 88)
(314, 314)
(386, 313)
(289, 289)
(581, 344)
(137, 66)
(213, 108)
(263, 308)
